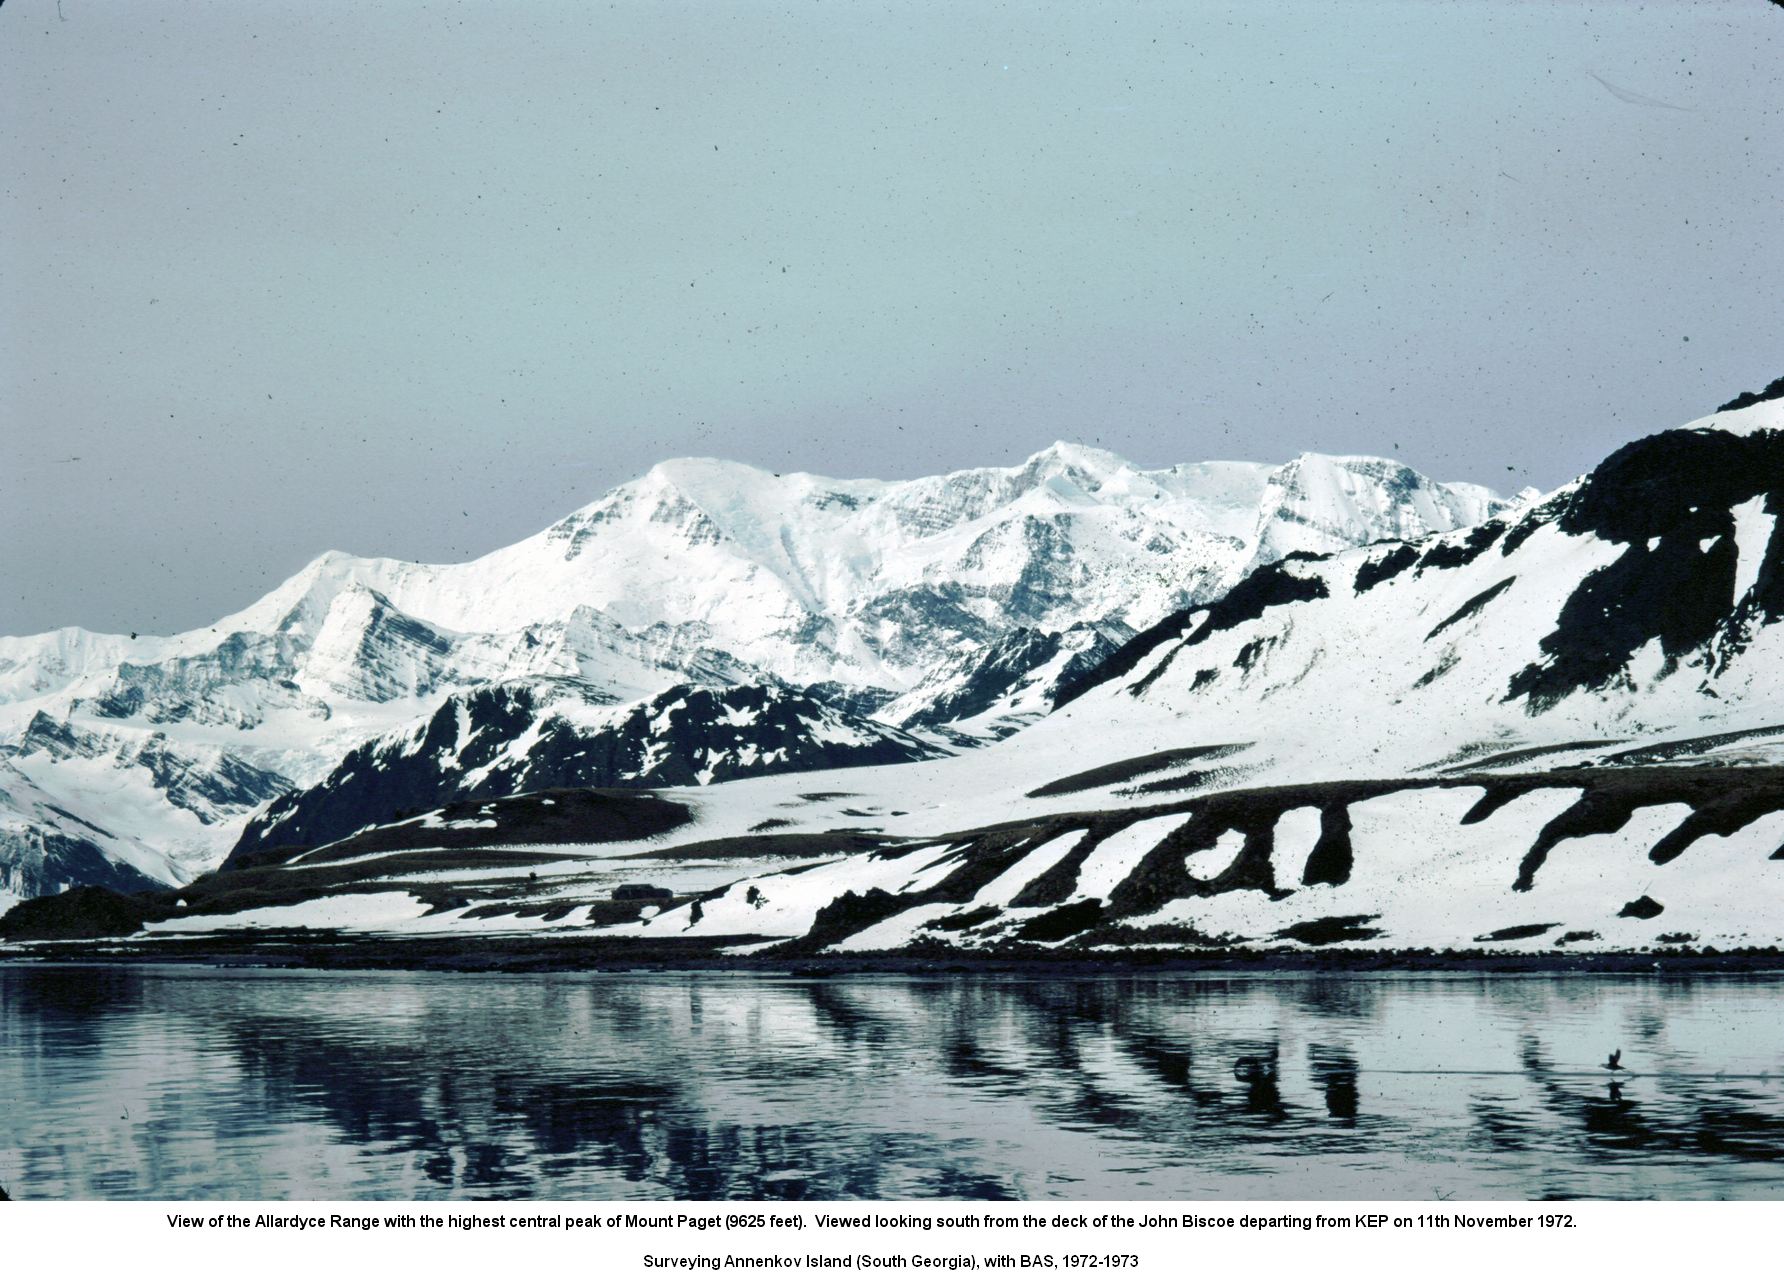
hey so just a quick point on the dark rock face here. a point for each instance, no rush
(1136, 767)
(1002, 668)
(1448, 554)
(1379, 570)
(996, 671)
(1274, 585)
(850, 700)
(1123, 660)
(847, 915)
(208, 790)
(1473, 606)
(1332, 857)
(1669, 501)
(51, 737)
(1046, 582)
(505, 739)
(1722, 799)
(1062, 921)
(914, 615)
(78, 914)
(1163, 873)
(1331, 929)
(1516, 932)
(553, 816)
(1682, 482)
(377, 782)
(1668, 498)
(229, 785)
(198, 687)
(391, 632)
(1770, 393)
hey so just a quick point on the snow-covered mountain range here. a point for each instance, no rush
(827, 622)
(1558, 727)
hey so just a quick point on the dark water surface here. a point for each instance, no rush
(130, 1082)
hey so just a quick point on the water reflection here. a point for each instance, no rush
(119, 1082)
(1335, 1070)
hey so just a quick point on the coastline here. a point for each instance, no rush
(622, 955)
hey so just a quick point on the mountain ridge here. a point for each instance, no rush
(1556, 729)
(866, 595)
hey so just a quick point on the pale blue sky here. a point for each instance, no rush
(418, 278)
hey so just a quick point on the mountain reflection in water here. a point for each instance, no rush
(120, 1082)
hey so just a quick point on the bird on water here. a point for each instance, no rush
(1616, 1061)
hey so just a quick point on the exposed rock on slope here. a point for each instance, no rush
(495, 742)
(966, 594)
(1553, 728)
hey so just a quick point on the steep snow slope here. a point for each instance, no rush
(815, 579)
(44, 848)
(1321, 503)
(968, 595)
(1560, 727)
(1006, 684)
(1642, 598)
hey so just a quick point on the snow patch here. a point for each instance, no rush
(1753, 528)
(1115, 858)
(1025, 870)
(364, 912)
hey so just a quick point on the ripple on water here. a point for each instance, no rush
(132, 1082)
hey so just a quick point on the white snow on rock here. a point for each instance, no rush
(1111, 860)
(1297, 832)
(1449, 700)
(1753, 528)
(362, 912)
(702, 572)
(1030, 867)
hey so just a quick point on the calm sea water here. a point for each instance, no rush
(120, 1082)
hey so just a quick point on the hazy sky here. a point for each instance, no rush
(416, 279)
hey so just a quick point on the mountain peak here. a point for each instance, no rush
(1771, 393)
(1761, 412)
(705, 571)
(1077, 455)
(701, 469)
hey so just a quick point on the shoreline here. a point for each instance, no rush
(530, 955)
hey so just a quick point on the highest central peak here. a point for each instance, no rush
(715, 483)
(701, 469)
(1078, 455)
(698, 473)
(1075, 455)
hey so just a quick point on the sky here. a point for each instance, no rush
(417, 279)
